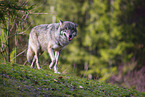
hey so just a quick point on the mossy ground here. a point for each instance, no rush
(18, 80)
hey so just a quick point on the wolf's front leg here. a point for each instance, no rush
(56, 63)
(51, 54)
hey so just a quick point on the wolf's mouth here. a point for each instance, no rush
(69, 38)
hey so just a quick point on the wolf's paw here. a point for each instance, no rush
(40, 68)
(32, 67)
(57, 72)
(50, 67)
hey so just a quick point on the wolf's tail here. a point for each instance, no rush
(30, 54)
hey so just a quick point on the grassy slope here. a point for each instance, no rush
(17, 80)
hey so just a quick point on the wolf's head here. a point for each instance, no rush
(68, 29)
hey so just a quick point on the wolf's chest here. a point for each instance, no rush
(56, 47)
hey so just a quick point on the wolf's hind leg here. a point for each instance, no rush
(33, 62)
(37, 61)
(56, 64)
(51, 54)
(36, 51)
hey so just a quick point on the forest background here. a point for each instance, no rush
(109, 47)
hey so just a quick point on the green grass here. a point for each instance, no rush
(17, 80)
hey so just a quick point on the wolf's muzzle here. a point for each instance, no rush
(70, 36)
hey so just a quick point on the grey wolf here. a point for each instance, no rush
(51, 37)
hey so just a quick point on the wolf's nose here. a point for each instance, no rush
(70, 36)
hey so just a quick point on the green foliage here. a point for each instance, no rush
(3, 36)
(18, 80)
(12, 55)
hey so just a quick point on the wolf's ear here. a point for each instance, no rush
(61, 22)
(75, 34)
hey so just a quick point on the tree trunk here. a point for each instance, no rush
(8, 40)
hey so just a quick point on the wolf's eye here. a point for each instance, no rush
(65, 29)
